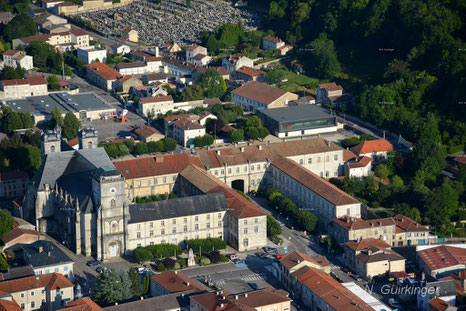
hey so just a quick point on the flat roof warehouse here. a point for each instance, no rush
(41, 106)
(296, 113)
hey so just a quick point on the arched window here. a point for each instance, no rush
(52, 148)
(89, 145)
(113, 203)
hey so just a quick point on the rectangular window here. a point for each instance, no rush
(222, 172)
(139, 245)
(335, 157)
(174, 221)
(162, 232)
(139, 226)
(163, 223)
(256, 220)
(156, 181)
(47, 271)
(219, 215)
(237, 170)
(196, 227)
(196, 218)
(309, 161)
(252, 182)
(32, 293)
(163, 242)
(174, 230)
(151, 225)
(245, 242)
(208, 235)
(229, 171)
(208, 225)
(174, 178)
(185, 228)
(219, 223)
(164, 179)
(301, 161)
(151, 243)
(185, 219)
(245, 222)
(327, 174)
(252, 168)
(56, 270)
(327, 158)
(138, 235)
(65, 268)
(335, 173)
(208, 217)
(245, 169)
(245, 230)
(256, 229)
(151, 233)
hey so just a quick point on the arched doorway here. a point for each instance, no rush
(238, 184)
(113, 249)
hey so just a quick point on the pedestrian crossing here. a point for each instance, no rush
(254, 277)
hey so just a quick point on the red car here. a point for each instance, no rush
(279, 256)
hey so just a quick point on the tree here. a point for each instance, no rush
(381, 171)
(193, 92)
(142, 255)
(212, 84)
(307, 220)
(111, 149)
(108, 288)
(169, 144)
(273, 227)
(126, 285)
(22, 25)
(11, 122)
(71, 125)
(236, 135)
(207, 140)
(323, 59)
(274, 76)
(53, 84)
(155, 146)
(26, 119)
(397, 182)
(141, 148)
(56, 117)
(122, 150)
(263, 132)
(441, 204)
(252, 133)
(198, 141)
(10, 73)
(135, 279)
(254, 121)
(45, 57)
(6, 222)
(408, 211)
(212, 45)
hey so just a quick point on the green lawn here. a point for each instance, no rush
(299, 82)
(460, 232)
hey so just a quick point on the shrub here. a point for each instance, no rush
(181, 263)
(223, 258)
(176, 266)
(142, 255)
(169, 263)
(273, 227)
(205, 261)
(214, 256)
(160, 267)
(206, 245)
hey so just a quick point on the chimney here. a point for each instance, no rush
(246, 295)
(218, 152)
(260, 147)
(159, 159)
(41, 249)
(176, 272)
(236, 297)
(187, 283)
(221, 305)
(268, 142)
(236, 144)
(241, 149)
(142, 298)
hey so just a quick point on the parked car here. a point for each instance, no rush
(356, 277)
(253, 286)
(279, 256)
(262, 255)
(140, 269)
(234, 256)
(237, 261)
(92, 263)
(101, 269)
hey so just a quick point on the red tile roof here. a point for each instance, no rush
(238, 205)
(153, 166)
(11, 175)
(6, 305)
(441, 257)
(354, 223)
(460, 159)
(374, 253)
(156, 99)
(73, 142)
(439, 304)
(371, 146)
(146, 131)
(348, 155)
(50, 281)
(272, 39)
(406, 224)
(361, 162)
(79, 32)
(175, 282)
(32, 80)
(187, 124)
(260, 153)
(104, 71)
(337, 296)
(250, 71)
(35, 38)
(180, 116)
(259, 92)
(83, 304)
(125, 78)
(294, 258)
(330, 86)
(16, 233)
(365, 243)
(313, 182)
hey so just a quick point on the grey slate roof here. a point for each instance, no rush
(68, 167)
(442, 288)
(49, 256)
(296, 113)
(186, 206)
(165, 302)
